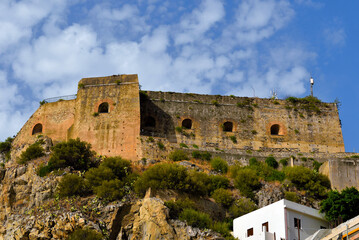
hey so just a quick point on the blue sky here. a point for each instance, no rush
(245, 48)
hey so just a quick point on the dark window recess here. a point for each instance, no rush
(228, 127)
(187, 123)
(149, 122)
(249, 232)
(103, 108)
(37, 129)
(265, 225)
(297, 223)
(321, 227)
(274, 129)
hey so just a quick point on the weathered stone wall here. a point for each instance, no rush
(117, 131)
(56, 118)
(301, 130)
(122, 130)
(342, 172)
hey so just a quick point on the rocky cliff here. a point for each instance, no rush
(29, 209)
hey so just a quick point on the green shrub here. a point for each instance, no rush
(247, 181)
(284, 162)
(195, 146)
(223, 197)
(179, 129)
(160, 145)
(110, 189)
(150, 139)
(43, 170)
(178, 155)
(216, 182)
(112, 179)
(253, 161)
(163, 176)
(316, 165)
(176, 207)
(120, 167)
(70, 185)
(292, 196)
(242, 206)
(73, 153)
(195, 218)
(233, 138)
(223, 229)
(86, 233)
(341, 205)
(215, 103)
(5, 147)
(203, 156)
(196, 154)
(206, 156)
(219, 165)
(270, 161)
(183, 145)
(313, 183)
(33, 151)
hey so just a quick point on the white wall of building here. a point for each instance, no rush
(280, 216)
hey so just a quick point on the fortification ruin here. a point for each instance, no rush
(117, 118)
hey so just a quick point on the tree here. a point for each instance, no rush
(342, 205)
(73, 153)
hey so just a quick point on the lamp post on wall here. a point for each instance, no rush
(311, 86)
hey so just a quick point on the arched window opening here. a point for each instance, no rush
(149, 122)
(187, 123)
(274, 129)
(103, 108)
(37, 129)
(228, 127)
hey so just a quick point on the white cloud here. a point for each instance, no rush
(335, 36)
(180, 56)
(200, 21)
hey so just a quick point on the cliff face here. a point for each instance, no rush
(29, 209)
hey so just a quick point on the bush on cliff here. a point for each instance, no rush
(223, 197)
(71, 185)
(219, 165)
(112, 179)
(178, 155)
(86, 233)
(314, 183)
(5, 147)
(247, 181)
(73, 153)
(176, 177)
(195, 218)
(33, 151)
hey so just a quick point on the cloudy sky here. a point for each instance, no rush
(244, 48)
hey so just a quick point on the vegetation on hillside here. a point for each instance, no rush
(5, 147)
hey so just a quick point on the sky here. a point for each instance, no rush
(244, 47)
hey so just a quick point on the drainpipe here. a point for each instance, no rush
(347, 232)
(286, 224)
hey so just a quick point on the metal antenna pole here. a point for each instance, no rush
(311, 86)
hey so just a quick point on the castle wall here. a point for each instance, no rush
(301, 129)
(342, 173)
(115, 132)
(55, 118)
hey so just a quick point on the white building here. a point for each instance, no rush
(279, 221)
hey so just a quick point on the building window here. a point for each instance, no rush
(321, 227)
(37, 129)
(274, 129)
(297, 223)
(265, 227)
(149, 122)
(103, 108)
(228, 127)
(187, 123)
(249, 232)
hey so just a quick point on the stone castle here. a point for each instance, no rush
(117, 118)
